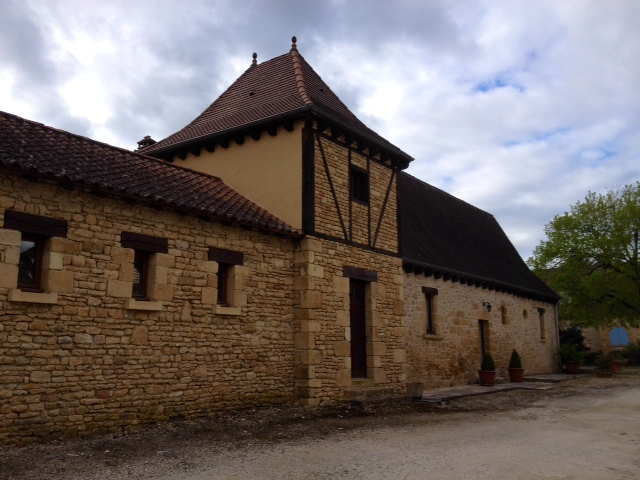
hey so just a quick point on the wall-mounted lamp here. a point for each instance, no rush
(487, 305)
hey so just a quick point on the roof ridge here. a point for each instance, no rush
(297, 70)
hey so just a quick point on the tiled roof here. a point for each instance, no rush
(441, 232)
(72, 159)
(282, 87)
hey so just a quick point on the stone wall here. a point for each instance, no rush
(451, 356)
(323, 321)
(599, 339)
(84, 357)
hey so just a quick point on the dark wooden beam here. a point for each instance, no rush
(255, 134)
(239, 139)
(210, 146)
(195, 150)
(224, 142)
(272, 130)
(182, 154)
(288, 125)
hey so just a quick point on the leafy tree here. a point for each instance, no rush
(590, 258)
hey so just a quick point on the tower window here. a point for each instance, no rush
(359, 185)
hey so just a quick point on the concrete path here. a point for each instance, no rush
(532, 382)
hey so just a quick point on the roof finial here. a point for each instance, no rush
(254, 62)
(293, 43)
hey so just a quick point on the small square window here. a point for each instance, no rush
(30, 263)
(359, 185)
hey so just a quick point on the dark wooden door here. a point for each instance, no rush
(483, 326)
(358, 329)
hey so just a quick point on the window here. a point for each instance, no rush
(541, 318)
(35, 264)
(224, 271)
(429, 294)
(140, 275)
(30, 264)
(230, 280)
(359, 180)
(503, 315)
(144, 284)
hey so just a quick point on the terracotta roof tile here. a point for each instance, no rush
(440, 231)
(285, 85)
(45, 151)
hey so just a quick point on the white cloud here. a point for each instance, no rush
(517, 107)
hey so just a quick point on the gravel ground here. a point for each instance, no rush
(583, 428)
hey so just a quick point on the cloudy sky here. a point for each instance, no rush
(517, 107)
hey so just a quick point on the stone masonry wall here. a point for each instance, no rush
(89, 359)
(322, 341)
(452, 355)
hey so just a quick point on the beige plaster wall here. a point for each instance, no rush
(268, 171)
(452, 356)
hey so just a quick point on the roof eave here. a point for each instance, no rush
(516, 289)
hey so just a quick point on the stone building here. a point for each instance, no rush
(272, 251)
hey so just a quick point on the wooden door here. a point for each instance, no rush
(358, 329)
(483, 326)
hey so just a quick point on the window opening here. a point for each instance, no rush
(140, 274)
(429, 294)
(224, 270)
(359, 185)
(30, 263)
(541, 318)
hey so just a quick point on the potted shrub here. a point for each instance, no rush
(571, 357)
(604, 366)
(516, 372)
(487, 371)
(618, 360)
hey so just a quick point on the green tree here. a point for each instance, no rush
(590, 258)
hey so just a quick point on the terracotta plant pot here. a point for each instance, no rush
(516, 374)
(487, 377)
(604, 372)
(572, 367)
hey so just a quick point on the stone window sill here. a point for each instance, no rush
(433, 337)
(17, 295)
(149, 305)
(543, 340)
(223, 310)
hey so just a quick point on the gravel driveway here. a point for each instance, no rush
(587, 428)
